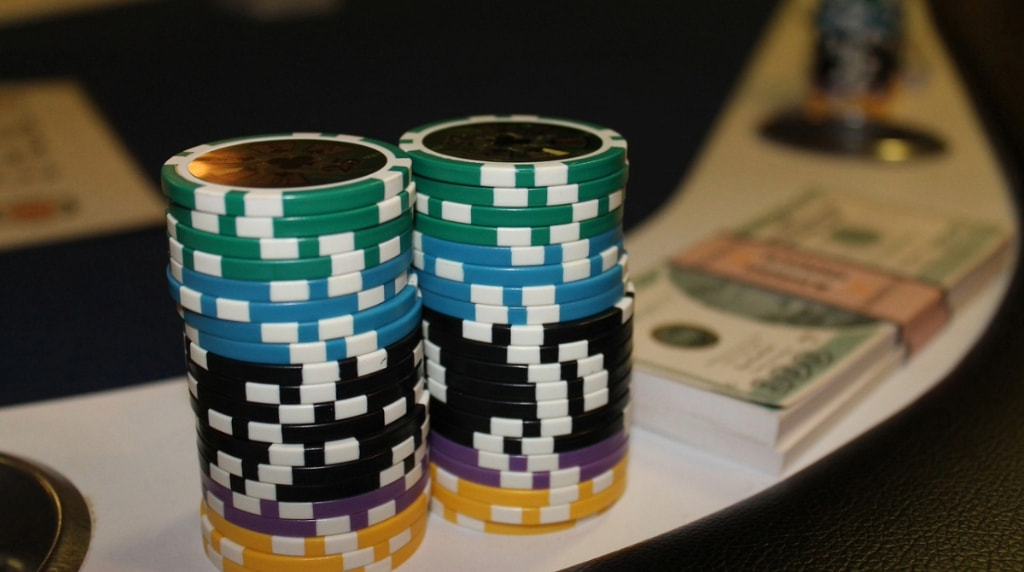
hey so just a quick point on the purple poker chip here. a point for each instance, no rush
(340, 524)
(525, 463)
(531, 480)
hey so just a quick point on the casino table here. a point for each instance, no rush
(938, 485)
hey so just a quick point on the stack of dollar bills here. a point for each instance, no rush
(748, 342)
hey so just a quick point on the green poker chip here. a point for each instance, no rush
(288, 248)
(517, 236)
(514, 151)
(285, 175)
(287, 227)
(297, 269)
(527, 216)
(526, 196)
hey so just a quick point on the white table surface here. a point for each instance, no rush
(131, 451)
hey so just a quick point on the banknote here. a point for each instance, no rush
(748, 342)
(917, 308)
(775, 309)
(954, 253)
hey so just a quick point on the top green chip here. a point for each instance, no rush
(526, 196)
(294, 174)
(514, 151)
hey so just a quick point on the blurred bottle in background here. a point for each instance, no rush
(858, 52)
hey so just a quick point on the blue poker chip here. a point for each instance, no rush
(290, 290)
(524, 295)
(515, 255)
(327, 328)
(539, 334)
(520, 276)
(522, 315)
(244, 311)
(309, 352)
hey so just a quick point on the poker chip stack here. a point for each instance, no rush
(290, 263)
(527, 311)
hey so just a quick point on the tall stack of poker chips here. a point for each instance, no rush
(290, 263)
(527, 311)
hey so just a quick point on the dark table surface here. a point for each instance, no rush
(939, 486)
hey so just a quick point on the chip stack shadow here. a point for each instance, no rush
(527, 318)
(290, 264)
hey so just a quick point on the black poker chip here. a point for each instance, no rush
(528, 445)
(313, 474)
(359, 483)
(520, 373)
(567, 351)
(305, 413)
(532, 410)
(527, 391)
(316, 453)
(274, 393)
(298, 374)
(514, 427)
(362, 425)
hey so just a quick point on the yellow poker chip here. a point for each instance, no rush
(229, 556)
(453, 516)
(528, 498)
(316, 545)
(531, 516)
(383, 565)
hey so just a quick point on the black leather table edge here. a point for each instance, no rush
(939, 486)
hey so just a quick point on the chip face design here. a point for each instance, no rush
(513, 141)
(285, 175)
(514, 151)
(287, 163)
